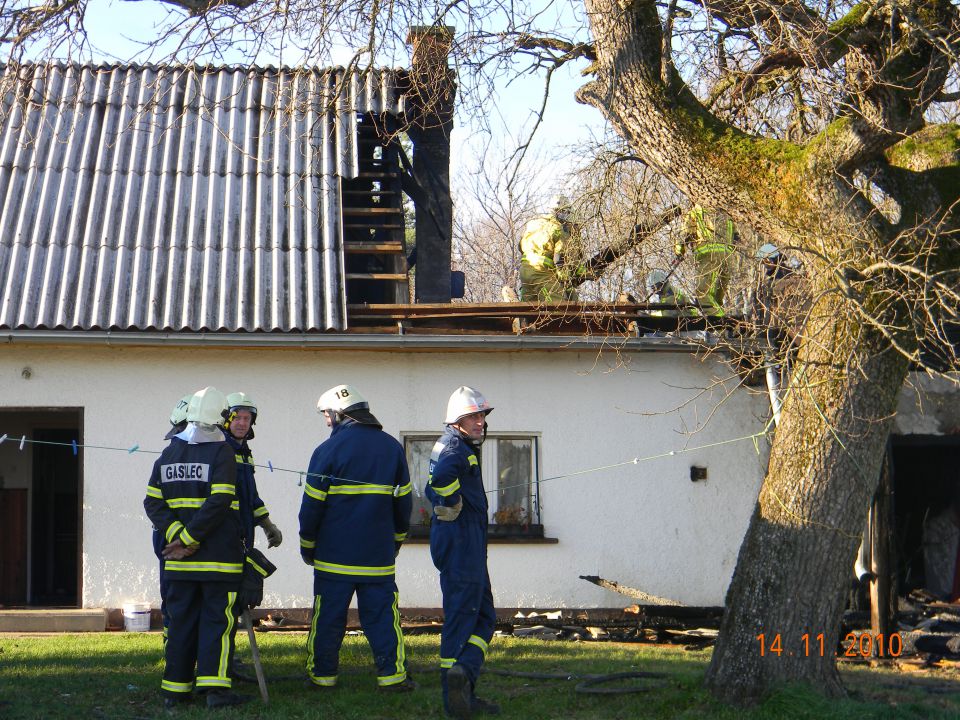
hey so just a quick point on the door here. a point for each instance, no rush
(13, 547)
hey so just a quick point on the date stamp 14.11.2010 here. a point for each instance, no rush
(853, 645)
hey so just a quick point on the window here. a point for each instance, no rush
(511, 476)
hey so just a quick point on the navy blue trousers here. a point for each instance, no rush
(378, 607)
(158, 544)
(200, 636)
(469, 619)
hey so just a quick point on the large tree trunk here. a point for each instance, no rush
(796, 561)
(797, 558)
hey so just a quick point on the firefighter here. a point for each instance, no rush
(711, 236)
(551, 255)
(178, 423)
(458, 546)
(354, 517)
(191, 498)
(238, 429)
(661, 291)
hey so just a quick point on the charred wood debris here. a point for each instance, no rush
(928, 630)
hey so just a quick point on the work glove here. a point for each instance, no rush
(251, 590)
(307, 556)
(396, 549)
(448, 514)
(274, 536)
(256, 567)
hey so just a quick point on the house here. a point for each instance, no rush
(167, 228)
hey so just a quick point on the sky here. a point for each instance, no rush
(114, 26)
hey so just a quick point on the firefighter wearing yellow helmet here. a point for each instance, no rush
(551, 255)
(458, 546)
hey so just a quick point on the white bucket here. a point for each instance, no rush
(136, 616)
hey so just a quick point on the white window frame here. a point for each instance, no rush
(490, 469)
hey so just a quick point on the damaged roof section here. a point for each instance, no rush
(179, 198)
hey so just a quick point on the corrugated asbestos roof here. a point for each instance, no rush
(178, 198)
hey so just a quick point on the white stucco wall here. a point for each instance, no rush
(645, 525)
(929, 405)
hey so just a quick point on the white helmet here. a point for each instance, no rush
(207, 407)
(179, 413)
(466, 401)
(341, 399)
(655, 278)
(768, 251)
(241, 401)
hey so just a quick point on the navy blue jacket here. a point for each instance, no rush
(252, 509)
(356, 504)
(458, 547)
(191, 496)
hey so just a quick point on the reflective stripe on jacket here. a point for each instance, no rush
(191, 496)
(356, 504)
(252, 509)
(458, 547)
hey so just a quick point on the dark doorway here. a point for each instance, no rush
(55, 502)
(40, 507)
(926, 474)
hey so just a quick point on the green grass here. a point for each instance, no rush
(117, 675)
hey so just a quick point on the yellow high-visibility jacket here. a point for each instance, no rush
(701, 232)
(544, 241)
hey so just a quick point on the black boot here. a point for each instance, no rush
(458, 692)
(479, 706)
(224, 698)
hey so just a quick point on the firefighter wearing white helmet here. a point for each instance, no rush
(354, 516)
(178, 416)
(191, 500)
(552, 255)
(178, 423)
(661, 291)
(238, 429)
(345, 402)
(466, 401)
(458, 546)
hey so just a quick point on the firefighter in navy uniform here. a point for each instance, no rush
(238, 428)
(178, 423)
(458, 545)
(354, 516)
(191, 498)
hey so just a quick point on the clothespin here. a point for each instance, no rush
(22, 441)
(73, 444)
(3, 438)
(133, 449)
(270, 465)
(300, 479)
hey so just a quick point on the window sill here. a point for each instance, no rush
(496, 535)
